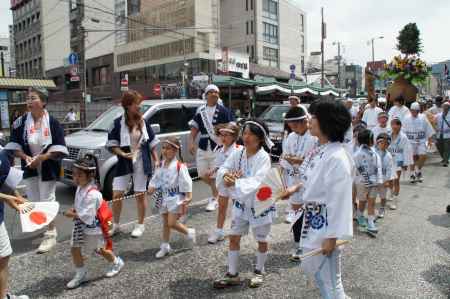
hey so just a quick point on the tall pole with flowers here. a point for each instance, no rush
(407, 70)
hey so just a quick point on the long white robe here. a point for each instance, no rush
(254, 169)
(327, 175)
(387, 165)
(368, 167)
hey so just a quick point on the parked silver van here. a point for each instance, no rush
(167, 117)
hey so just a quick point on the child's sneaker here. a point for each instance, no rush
(228, 281)
(381, 212)
(371, 227)
(192, 235)
(419, 177)
(11, 296)
(115, 268)
(257, 280)
(412, 179)
(165, 250)
(80, 277)
(138, 230)
(296, 254)
(114, 229)
(216, 236)
(362, 221)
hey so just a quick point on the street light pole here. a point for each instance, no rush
(339, 63)
(373, 46)
(322, 82)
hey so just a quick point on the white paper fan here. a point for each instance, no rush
(269, 191)
(36, 215)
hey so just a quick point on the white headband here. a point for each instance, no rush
(84, 167)
(172, 144)
(226, 130)
(296, 118)
(267, 140)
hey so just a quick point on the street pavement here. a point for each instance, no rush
(410, 258)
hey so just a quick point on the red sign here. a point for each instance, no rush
(124, 82)
(157, 89)
(376, 66)
(75, 79)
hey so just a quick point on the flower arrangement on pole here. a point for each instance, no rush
(407, 70)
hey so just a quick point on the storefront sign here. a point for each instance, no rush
(235, 62)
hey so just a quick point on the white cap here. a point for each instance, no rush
(14, 178)
(294, 98)
(211, 87)
(415, 106)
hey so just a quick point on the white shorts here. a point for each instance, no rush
(90, 243)
(363, 192)
(206, 161)
(419, 149)
(223, 191)
(170, 205)
(240, 227)
(140, 179)
(37, 190)
(5, 244)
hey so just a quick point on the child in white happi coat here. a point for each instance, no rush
(173, 185)
(228, 134)
(382, 126)
(368, 178)
(401, 151)
(387, 168)
(242, 174)
(87, 232)
(298, 144)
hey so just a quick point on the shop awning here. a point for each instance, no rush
(16, 83)
(298, 89)
(225, 81)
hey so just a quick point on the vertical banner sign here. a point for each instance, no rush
(225, 60)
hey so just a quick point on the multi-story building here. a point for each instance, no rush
(352, 79)
(272, 32)
(12, 54)
(166, 42)
(41, 30)
(5, 60)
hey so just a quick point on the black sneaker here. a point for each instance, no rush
(412, 179)
(228, 281)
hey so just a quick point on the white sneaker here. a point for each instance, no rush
(115, 268)
(114, 230)
(79, 278)
(11, 296)
(138, 230)
(165, 250)
(212, 204)
(192, 235)
(49, 241)
(216, 236)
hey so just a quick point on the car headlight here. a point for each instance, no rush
(96, 152)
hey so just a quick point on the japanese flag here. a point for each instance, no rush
(36, 215)
(269, 191)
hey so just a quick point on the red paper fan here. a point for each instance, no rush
(38, 217)
(264, 193)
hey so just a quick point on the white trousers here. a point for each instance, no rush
(326, 271)
(37, 190)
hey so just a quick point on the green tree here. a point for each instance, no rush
(409, 41)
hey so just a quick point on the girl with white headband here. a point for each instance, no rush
(242, 174)
(298, 144)
(172, 186)
(228, 134)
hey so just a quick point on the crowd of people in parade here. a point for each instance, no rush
(336, 161)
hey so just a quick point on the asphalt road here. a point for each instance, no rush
(409, 259)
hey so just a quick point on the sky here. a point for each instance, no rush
(354, 22)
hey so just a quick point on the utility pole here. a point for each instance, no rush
(373, 51)
(339, 63)
(82, 61)
(323, 50)
(2, 59)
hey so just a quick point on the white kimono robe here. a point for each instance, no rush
(398, 112)
(254, 170)
(387, 165)
(221, 156)
(171, 183)
(401, 151)
(299, 146)
(369, 170)
(327, 175)
(378, 130)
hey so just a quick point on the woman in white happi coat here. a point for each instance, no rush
(228, 134)
(327, 176)
(133, 141)
(38, 140)
(243, 173)
(401, 151)
(173, 186)
(298, 144)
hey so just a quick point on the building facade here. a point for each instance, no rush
(41, 31)
(5, 57)
(271, 32)
(352, 79)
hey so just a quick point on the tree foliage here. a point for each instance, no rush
(409, 41)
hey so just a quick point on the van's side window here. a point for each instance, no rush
(170, 120)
